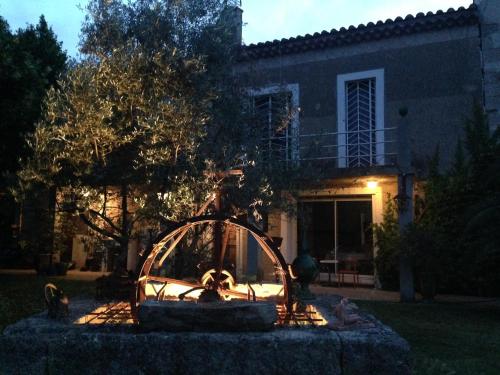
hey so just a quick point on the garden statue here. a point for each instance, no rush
(305, 270)
(56, 301)
(343, 315)
(346, 319)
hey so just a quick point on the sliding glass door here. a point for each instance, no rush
(337, 228)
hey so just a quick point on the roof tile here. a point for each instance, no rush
(371, 31)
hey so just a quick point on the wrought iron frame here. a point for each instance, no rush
(175, 235)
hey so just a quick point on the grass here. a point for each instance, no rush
(22, 295)
(446, 338)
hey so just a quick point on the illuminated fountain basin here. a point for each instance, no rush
(174, 306)
(103, 338)
(172, 291)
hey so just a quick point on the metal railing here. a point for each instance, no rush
(324, 146)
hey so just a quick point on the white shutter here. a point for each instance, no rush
(361, 122)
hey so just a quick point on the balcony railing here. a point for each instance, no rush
(324, 146)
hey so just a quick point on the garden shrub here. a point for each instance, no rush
(454, 240)
(386, 236)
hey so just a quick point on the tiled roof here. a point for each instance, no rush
(363, 33)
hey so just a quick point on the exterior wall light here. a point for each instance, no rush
(371, 184)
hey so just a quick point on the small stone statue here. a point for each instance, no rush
(346, 320)
(343, 316)
(56, 301)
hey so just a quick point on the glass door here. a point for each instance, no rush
(316, 223)
(338, 229)
(353, 237)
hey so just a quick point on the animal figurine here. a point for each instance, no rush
(343, 316)
(56, 301)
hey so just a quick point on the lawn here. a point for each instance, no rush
(22, 295)
(446, 338)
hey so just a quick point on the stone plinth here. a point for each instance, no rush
(232, 316)
(37, 345)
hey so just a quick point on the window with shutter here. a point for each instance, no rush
(273, 115)
(360, 119)
(360, 123)
(276, 113)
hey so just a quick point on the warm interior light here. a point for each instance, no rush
(371, 184)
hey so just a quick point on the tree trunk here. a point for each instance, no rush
(217, 233)
(121, 262)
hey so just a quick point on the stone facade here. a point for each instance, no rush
(434, 74)
(430, 69)
(489, 11)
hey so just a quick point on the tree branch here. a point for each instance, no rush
(106, 219)
(98, 229)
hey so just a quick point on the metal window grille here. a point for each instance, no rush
(361, 123)
(273, 114)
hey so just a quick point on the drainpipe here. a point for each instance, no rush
(404, 201)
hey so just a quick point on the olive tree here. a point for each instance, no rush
(136, 131)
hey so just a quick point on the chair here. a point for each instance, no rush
(350, 268)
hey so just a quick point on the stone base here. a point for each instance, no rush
(37, 345)
(232, 316)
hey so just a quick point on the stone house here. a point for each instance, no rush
(369, 105)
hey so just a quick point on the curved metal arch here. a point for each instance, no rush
(181, 229)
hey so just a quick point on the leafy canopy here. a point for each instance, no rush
(148, 116)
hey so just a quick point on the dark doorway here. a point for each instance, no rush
(316, 223)
(338, 228)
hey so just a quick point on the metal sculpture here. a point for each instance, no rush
(217, 281)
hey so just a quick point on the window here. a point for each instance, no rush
(360, 103)
(276, 114)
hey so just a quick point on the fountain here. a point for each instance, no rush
(213, 324)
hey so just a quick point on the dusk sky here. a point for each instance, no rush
(264, 19)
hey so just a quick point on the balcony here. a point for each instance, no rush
(361, 149)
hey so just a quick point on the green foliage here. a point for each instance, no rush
(482, 215)
(143, 123)
(191, 27)
(454, 239)
(128, 115)
(31, 60)
(434, 239)
(387, 240)
(461, 213)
